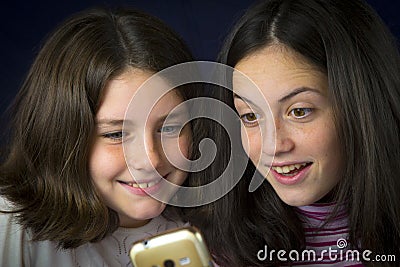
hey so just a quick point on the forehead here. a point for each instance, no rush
(119, 91)
(275, 70)
(126, 93)
(275, 58)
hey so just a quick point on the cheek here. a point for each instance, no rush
(176, 151)
(333, 155)
(245, 140)
(184, 144)
(185, 141)
(251, 141)
(105, 163)
(329, 150)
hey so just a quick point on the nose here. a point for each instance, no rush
(147, 155)
(281, 133)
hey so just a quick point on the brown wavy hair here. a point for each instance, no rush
(44, 171)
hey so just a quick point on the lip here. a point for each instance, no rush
(290, 180)
(144, 191)
(280, 164)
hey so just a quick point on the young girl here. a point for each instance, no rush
(67, 195)
(329, 72)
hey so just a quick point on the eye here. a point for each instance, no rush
(250, 119)
(114, 136)
(170, 129)
(300, 113)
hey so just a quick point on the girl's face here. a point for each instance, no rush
(306, 161)
(107, 164)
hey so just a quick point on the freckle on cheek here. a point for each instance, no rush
(115, 153)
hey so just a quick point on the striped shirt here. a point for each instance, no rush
(326, 245)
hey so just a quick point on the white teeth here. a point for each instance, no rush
(151, 184)
(288, 168)
(142, 185)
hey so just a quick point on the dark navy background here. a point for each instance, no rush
(203, 24)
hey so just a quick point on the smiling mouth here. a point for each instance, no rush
(290, 170)
(140, 185)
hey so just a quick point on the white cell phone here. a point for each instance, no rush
(174, 248)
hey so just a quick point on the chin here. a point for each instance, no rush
(294, 200)
(151, 212)
(143, 212)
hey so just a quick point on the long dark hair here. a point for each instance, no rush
(44, 172)
(349, 42)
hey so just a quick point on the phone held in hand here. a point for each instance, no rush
(183, 246)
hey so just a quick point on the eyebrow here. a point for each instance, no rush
(298, 91)
(244, 99)
(119, 122)
(110, 122)
(284, 98)
(172, 116)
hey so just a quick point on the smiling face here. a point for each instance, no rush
(111, 176)
(306, 160)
